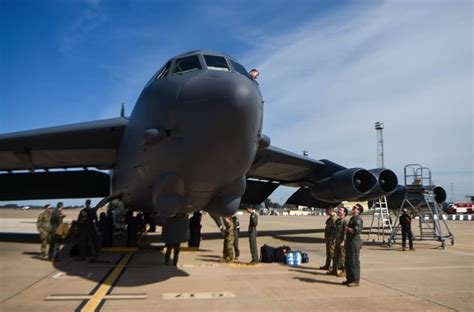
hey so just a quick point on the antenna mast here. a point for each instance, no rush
(379, 129)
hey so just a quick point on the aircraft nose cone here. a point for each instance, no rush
(224, 92)
(221, 115)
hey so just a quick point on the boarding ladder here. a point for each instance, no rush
(382, 215)
(421, 204)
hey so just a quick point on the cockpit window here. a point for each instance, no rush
(239, 68)
(216, 63)
(187, 64)
(164, 71)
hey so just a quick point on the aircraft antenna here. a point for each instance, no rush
(379, 128)
(122, 111)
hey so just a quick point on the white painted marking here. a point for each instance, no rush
(469, 217)
(461, 217)
(199, 295)
(202, 265)
(72, 275)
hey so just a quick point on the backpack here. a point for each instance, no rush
(304, 257)
(267, 253)
(280, 253)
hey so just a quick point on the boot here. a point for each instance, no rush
(342, 274)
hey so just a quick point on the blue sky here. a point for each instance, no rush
(329, 70)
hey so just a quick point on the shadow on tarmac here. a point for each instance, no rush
(309, 272)
(313, 280)
(146, 266)
(300, 239)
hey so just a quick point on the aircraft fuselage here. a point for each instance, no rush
(190, 141)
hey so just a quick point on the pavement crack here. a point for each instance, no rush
(409, 294)
(29, 286)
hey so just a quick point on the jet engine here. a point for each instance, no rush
(386, 184)
(346, 184)
(395, 199)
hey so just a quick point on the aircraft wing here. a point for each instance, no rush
(81, 145)
(319, 183)
(273, 163)
(87, 144)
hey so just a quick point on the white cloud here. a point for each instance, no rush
(407, 64)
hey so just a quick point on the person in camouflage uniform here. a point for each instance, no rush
(353, 245)
(228, 253)
(329, 237)
(339, 249)
(44, 227)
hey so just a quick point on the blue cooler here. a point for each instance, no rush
(293, 258)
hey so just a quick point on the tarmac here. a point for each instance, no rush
(428, 279)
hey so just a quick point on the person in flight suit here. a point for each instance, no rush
(228, 252)
(236, 223)
(44, 227)
(87, 233)
(329, 237)
(353, 245)
(195, 230)
(405, 223)
(339, 249)
(253, 235)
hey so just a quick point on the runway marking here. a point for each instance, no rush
(243, 265)
(199, 295)
(203, 265)
(99, 295)
(72, 275)
(87, 297)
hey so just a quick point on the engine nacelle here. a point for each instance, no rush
(439, 192)
(395, 199)
(386, 183)
(347, 184)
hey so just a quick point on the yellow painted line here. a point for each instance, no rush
(104, 288)
(189, 249)
(242, 265)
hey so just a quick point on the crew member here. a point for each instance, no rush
(175, 231)
(353, 245)
(236, 223)
(253, 235)
(405, 223)
(228, 252)
(339, 237)
(253, 74)
(133, 227)
(195, 230)
(55, 221)
(44, 228)
(87, 233)
(329, 237)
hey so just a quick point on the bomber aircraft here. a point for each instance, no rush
(193, 142)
